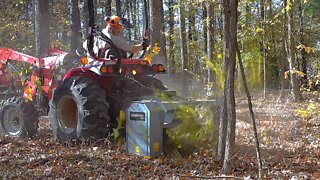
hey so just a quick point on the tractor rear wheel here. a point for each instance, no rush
(18, 118)
(79, 110)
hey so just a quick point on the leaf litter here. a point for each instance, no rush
(290, 148)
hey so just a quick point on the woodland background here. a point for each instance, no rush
(198, 25)
(279, 46)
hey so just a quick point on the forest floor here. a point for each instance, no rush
(289, 135)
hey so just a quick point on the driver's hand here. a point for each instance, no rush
(145, 43)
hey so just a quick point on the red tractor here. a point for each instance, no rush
(87, 101)
(26, 84)
(16, 116)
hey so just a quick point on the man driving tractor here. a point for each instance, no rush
(114, 26)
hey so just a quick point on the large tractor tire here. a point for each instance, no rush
(79, 110)
(18, 118)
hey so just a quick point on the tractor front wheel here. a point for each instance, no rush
(18, 118)
(79, 110)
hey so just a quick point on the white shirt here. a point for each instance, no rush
(117, 41)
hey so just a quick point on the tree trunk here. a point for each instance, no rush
(84, 12)
(171, 38)
(118, 8)
(108, 7)
(223, 117)
(193, 37)
(283, 59)
(295, 90)
(131, 17)
(205, 41)
(253, 119)
(210, 42)
(75, 25)
(134, 19)
(282, 63)
(263, 49)
(42, 34)
(192, 21)
(157, 30)
(184, 51)
(302, 41)
(204, 27)
(231, 115)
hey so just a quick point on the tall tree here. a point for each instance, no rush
(192, 37)
(85, 19)
(118, 8)
(302, 40)
(282, 60)
(171, 54)
(75, 25)
(42, 34)
(223, 115)
(204, 26)
(262, 48)
(157, 30)
(108, 7)
(192, 21)
(229, 114)
(253, 119)
(295, 90)
(183, 48)
(210, 38)
(204, 37)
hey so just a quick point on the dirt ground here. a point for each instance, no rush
(290, 148)
(290, 145)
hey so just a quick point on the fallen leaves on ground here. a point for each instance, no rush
(290, 149)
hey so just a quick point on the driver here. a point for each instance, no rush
(113, 29)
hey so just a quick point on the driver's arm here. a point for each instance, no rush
(136, 48)
(125, 46)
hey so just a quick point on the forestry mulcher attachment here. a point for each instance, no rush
(26, 84)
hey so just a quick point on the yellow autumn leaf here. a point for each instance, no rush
(149, 57)
(219, 56)
(259, 30)
(156, 49)
(122, 116)
(299, 73)
(301, 46)
(56, 44)
(309, 50)
(286, 75)
(311, 107)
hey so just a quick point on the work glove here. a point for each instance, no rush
(145, 43)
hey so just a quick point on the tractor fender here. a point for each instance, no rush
(83, 70)
(96, 69)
